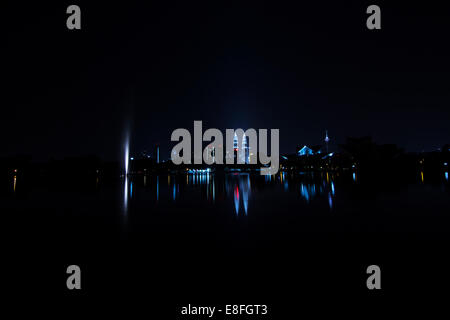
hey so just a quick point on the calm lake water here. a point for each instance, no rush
(185, 230)
(286, 202)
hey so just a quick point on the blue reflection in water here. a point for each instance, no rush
(157, 188)
(354, 176)
(245, 187)
(309, 190)
(284, 181)
(446, 175)
(305, 191)
(245, 201)
(174, 192)
(131, 190)
(239, 186)
(330, 201)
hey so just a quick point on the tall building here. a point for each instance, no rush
(245, 156)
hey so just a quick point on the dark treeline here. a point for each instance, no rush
(361, 154)
(73, 167)
(366, 156)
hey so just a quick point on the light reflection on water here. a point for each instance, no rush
(125, 195)
(244, 194)
(312, 188)
(131, 189)
(157, 189)
(238, 189)
(330, 201)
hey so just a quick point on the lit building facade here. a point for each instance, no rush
(305, 151)
(244, 156)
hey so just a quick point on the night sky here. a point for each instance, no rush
(302, 67)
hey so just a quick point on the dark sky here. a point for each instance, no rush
(302, 67)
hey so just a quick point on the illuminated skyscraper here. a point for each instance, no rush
(245, 156)
(246, 149)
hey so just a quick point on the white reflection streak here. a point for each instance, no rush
(125, 196)
(245, 193)
(126, 158)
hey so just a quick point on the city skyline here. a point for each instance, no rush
(162, 66)
(182, 159)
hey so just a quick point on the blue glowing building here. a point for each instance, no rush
(305, 151)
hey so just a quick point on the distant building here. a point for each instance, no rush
(327, 139)
(305, 151)
(309, 151)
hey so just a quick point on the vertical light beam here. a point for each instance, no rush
(127, 153)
